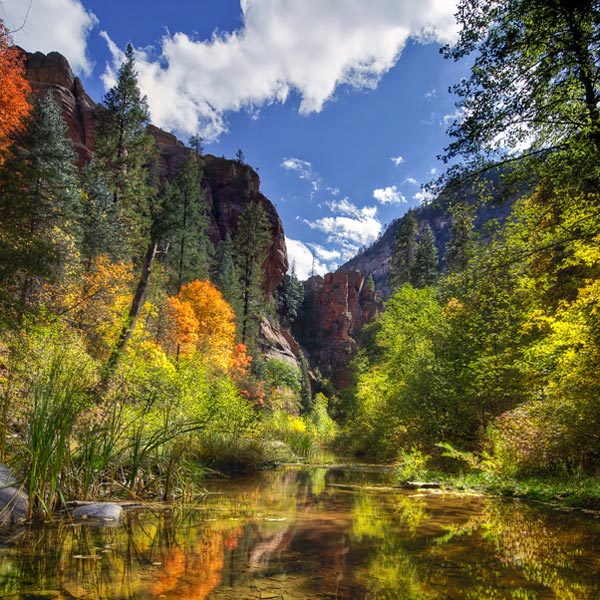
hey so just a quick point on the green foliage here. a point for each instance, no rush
(183, 226)
(411, 465)
(40, 204)
(403, 256)
(123, 152)
(289, 297)
(250, 248)
(533, 79)
(324, 428)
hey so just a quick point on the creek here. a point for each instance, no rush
(312, 532)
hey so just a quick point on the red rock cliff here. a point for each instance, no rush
(336, 307)
(229, 184)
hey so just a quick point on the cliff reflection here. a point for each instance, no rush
(293, 533)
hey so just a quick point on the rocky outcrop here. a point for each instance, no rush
(278, 344)
(52, 72)
(230, 185)
(335, 308)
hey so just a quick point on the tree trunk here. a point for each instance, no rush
(134, 311)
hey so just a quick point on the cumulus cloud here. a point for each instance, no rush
(51, 25)
(397, 160)
(411, 180)
(389, 195)
(304, 260)
(351, 228)
(309, 48)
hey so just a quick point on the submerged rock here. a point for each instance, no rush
(13, 500)
(100, 511)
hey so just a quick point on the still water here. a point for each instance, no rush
(300, 533)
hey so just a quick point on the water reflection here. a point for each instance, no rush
(298, 533)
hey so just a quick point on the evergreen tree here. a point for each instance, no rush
(39, 204)
(101, 230)
(461, 244)
(184, 226)
(251, 245)
(123, 152)
(403, 256)
(225, 274)
(289, 297)
(426, 267)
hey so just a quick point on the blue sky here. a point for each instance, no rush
(341, 105)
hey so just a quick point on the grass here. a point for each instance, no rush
(579, 491)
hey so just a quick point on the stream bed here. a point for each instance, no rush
(312, 532)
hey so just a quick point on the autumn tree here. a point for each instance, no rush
(13, 92)
(201, 323)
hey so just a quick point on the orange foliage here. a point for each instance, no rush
(14, 90)
(201, 321)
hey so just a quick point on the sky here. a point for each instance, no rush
(341, 105)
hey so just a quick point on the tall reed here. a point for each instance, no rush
(58, 393)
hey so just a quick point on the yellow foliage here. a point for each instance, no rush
(201, 324)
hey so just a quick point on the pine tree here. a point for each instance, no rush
(101, 229)
(184, 226)
(123, 152)
(251, 245)
(39, 204)
(225, 274)
(403, 256)
(460, 246)
(426, 268)
(289, 297)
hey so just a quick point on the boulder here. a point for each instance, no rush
(99, 511)
(13, 500)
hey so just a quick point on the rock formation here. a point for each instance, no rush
(229, 184)
(335, 308)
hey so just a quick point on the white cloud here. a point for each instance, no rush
(350, 233)
(397, 160)
(389, 195)
(302, 167)
(51, 25)
(285, 46)
(431, 94)
(424, 197)
(304, 261)
(345, 207)
(411, 180)
(324, 253)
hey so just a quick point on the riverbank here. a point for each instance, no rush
(574, 493)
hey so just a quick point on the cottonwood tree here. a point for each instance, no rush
(534, 83)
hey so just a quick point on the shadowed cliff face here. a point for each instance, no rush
(229, 184)
(335, 308)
